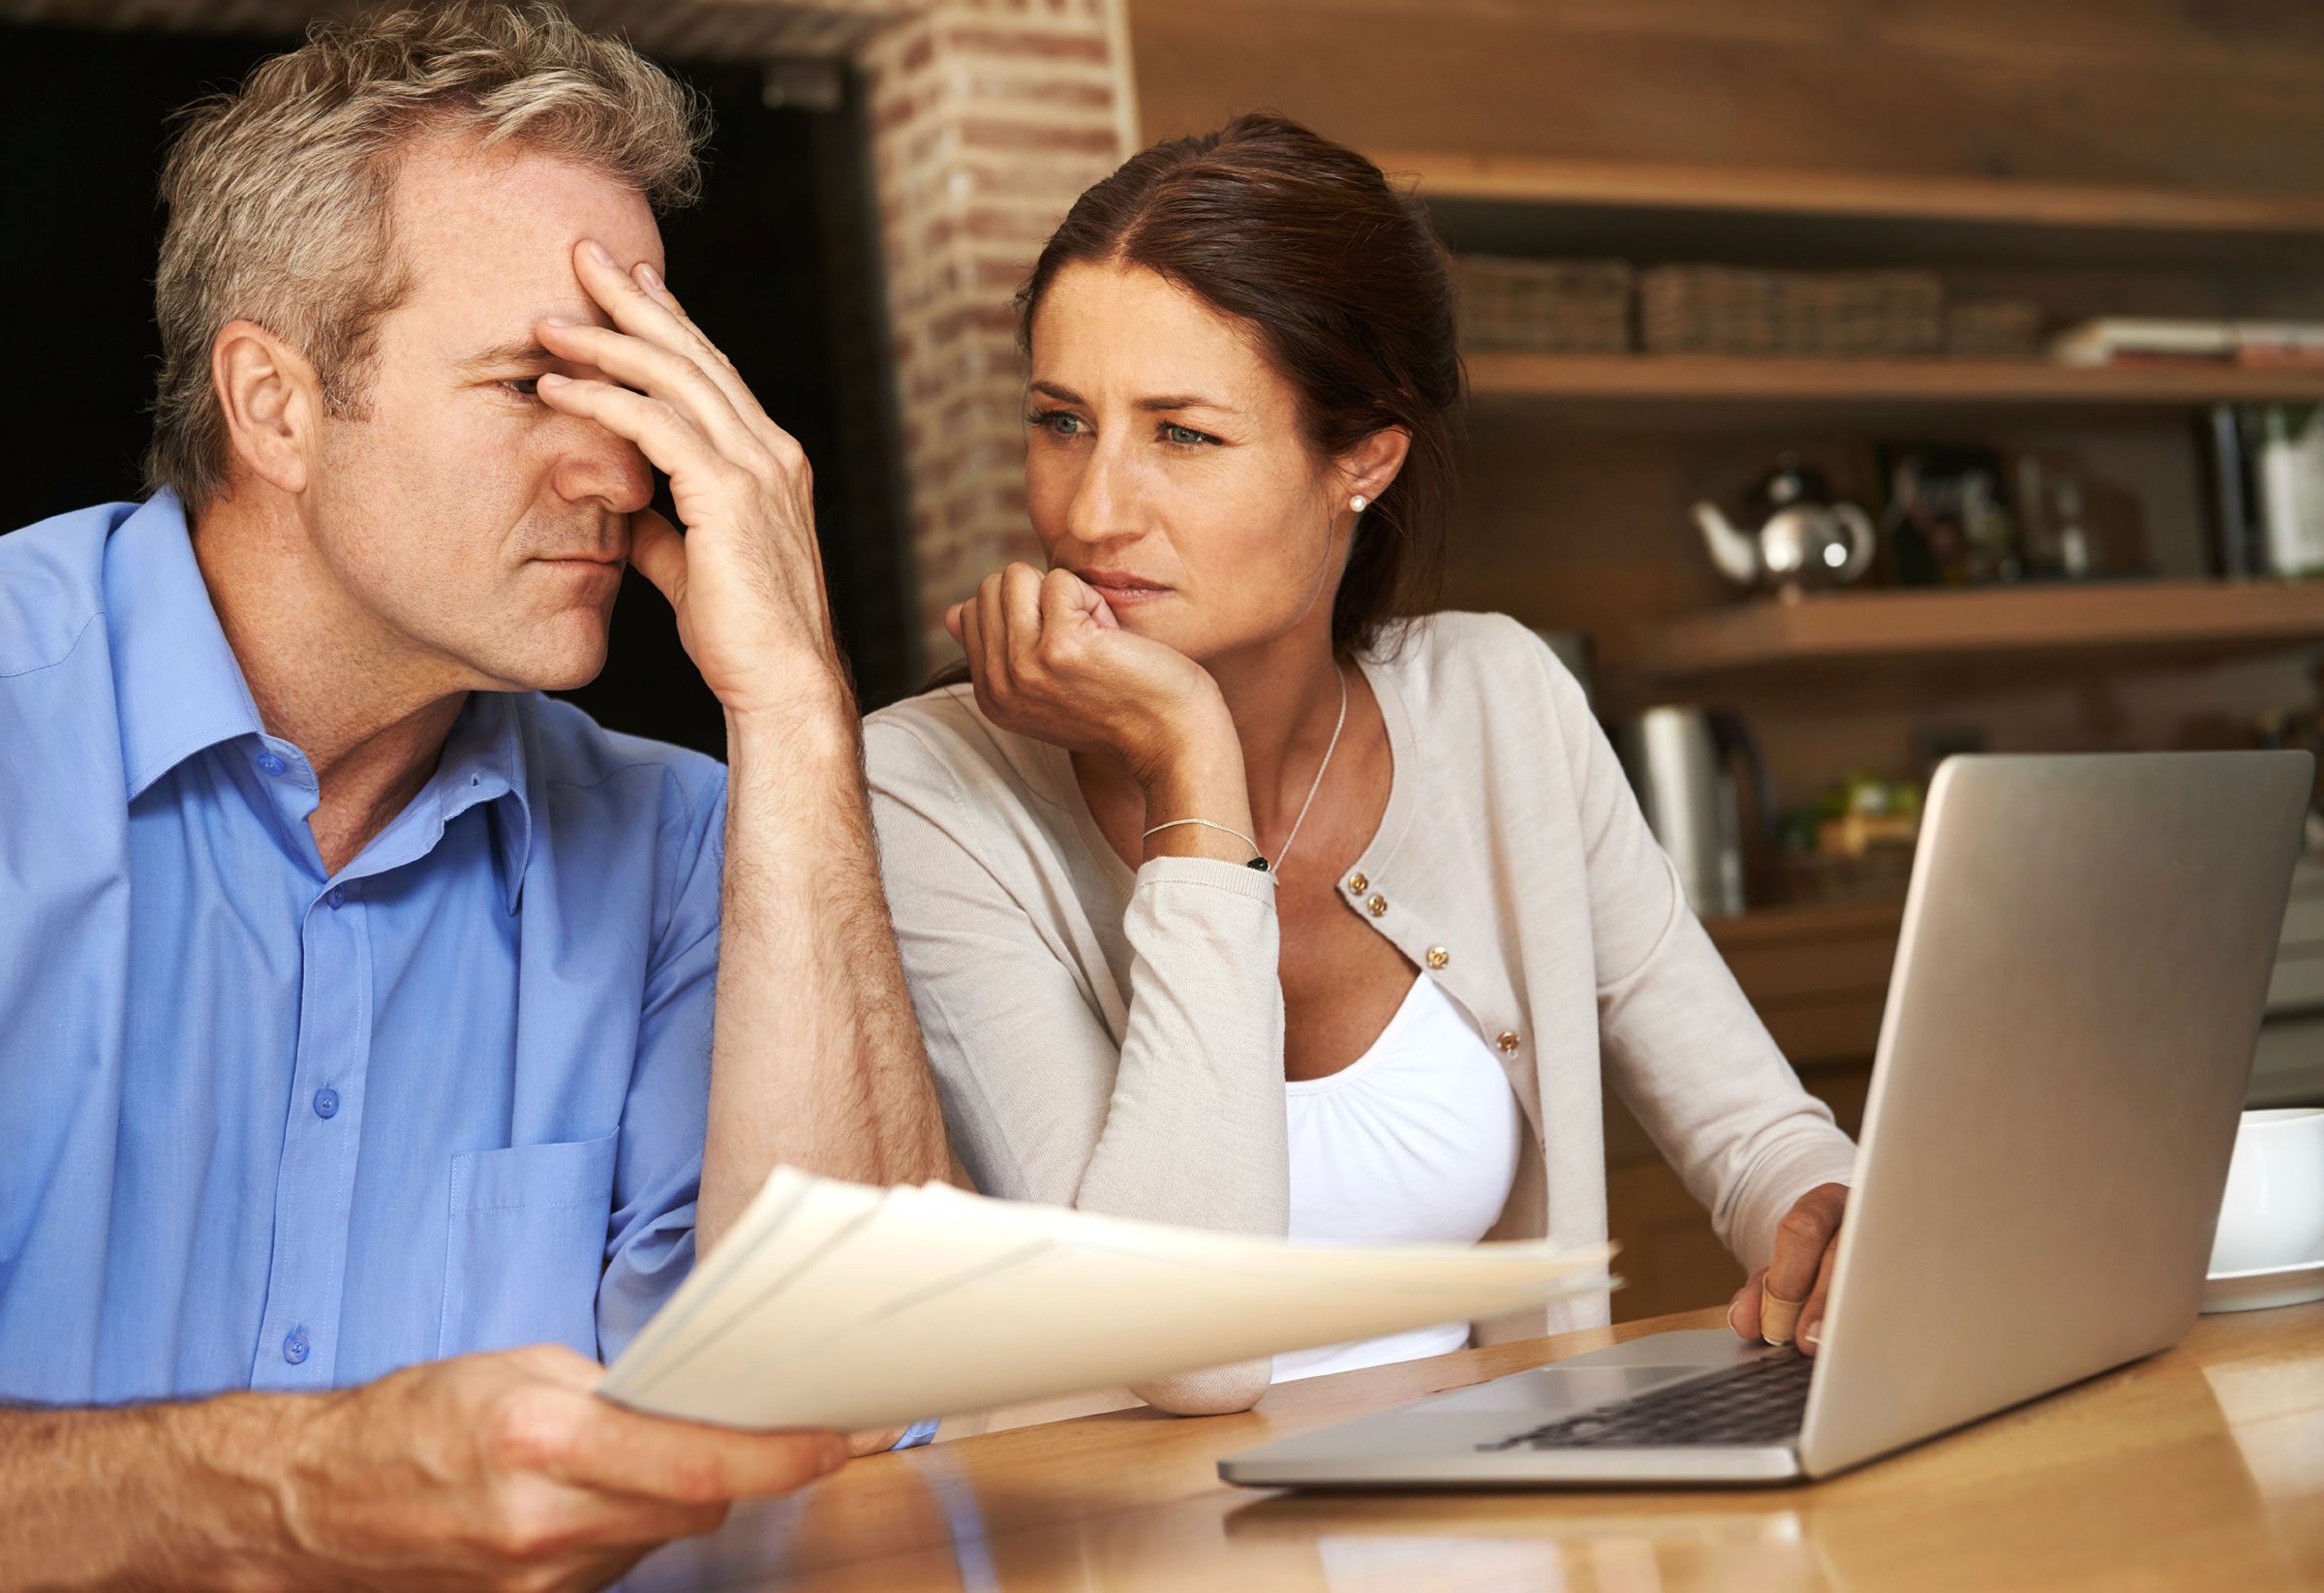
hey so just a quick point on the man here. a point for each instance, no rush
(358, 1083)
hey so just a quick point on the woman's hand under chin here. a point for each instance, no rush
(1050, 660)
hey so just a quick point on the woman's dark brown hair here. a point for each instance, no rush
(1345, 282)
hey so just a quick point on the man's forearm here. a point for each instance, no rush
(817, 1060)
(143, 1496)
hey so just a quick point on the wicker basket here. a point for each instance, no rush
(1993, 329)
(1721, 309)
(1559, 306)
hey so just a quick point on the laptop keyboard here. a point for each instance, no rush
(1761, 1401)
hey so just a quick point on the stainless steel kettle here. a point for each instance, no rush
(1703, 788)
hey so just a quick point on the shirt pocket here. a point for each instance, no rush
(526, 1247)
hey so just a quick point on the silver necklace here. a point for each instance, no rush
(1330, 747)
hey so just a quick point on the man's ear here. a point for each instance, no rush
(1372, 464)
(272, 400)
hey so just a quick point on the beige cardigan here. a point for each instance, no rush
(1115, 1041)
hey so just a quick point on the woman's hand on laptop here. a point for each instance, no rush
(1797, 1276)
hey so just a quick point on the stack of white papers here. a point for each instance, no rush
(839, 1306)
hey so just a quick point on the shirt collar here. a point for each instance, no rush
(179, 688)
(176, 684)
(484, 760)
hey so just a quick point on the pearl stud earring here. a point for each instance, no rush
(1359, 502)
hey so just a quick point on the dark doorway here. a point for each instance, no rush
(779, 263)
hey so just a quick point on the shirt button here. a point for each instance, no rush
(326, 1102)
(1377, 906)
(1508, 1040)
(338, 897)
(294, 1346)
(270, 763)
(1438, 956)
(1359, 884)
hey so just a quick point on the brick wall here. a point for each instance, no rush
(989, 116)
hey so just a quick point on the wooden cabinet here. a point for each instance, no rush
(1817, 976)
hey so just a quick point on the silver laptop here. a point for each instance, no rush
(2076, 999)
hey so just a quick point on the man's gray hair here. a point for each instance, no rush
(279, 191)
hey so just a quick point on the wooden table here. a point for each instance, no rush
(2200, 1468)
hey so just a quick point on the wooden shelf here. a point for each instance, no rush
(1866, 195)
(1692, 378)
(1645, 212)
(2206, 618)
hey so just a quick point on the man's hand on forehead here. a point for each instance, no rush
(747, 578)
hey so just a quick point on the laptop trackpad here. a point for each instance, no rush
(1602, 1376)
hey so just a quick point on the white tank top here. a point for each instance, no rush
(1415, 1142)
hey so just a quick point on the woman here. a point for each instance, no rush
(1230, 895)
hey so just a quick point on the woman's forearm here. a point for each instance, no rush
(1202, 777)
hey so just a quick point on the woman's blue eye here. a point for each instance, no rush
(1172, 432)
(1058, 422)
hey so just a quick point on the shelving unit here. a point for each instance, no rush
(2201, 240)
(1593, 460)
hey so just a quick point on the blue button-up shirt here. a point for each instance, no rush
(264, 1126)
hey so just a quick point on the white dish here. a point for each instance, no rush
(2267, 1287)
(2272, 1212)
